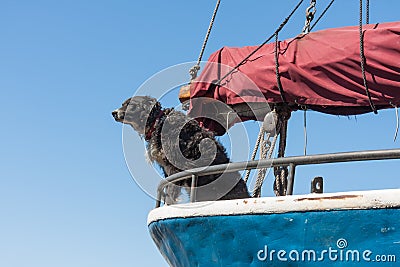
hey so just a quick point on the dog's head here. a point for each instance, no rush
(139, 112)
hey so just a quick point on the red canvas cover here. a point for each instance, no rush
(320, 70)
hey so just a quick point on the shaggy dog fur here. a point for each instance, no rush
(176, 143)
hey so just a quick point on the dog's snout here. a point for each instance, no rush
(114, 114)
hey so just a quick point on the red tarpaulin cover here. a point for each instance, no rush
(320, 70)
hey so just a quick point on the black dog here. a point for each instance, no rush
(177, 143)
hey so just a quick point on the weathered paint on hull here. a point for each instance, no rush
(369, 234)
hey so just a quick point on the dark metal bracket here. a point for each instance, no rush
(317, 185)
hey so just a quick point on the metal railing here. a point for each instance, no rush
(291, 162)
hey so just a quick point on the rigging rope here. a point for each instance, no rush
(281, 172)
(265, 153)
(305, 130)
(322, 14)
(193, 71)
(397, 121)
(397, 124)
(261, 45)
(267, 148)
(253, 155)
(362, 59)
(278, 76)
(261, 172)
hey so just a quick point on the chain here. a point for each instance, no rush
(310, 12)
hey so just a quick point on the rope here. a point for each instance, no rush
(397, 121)
(261, 172)
(265, 153)
(278, 76)
(253, 155)
(362, 61)
(305, 131)
(261, 45)
(322, 14)
(280, 184)
(397, 124)
(367, 12)
(193, 71)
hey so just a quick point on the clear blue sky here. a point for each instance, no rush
(67, 197)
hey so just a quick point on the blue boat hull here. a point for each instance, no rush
(340, 237)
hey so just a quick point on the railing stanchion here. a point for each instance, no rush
(290, 184)
(193, 188)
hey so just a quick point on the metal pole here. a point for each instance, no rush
(193, 188)
(290, 184)
(266, 163)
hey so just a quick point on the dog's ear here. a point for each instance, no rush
(126, 102)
